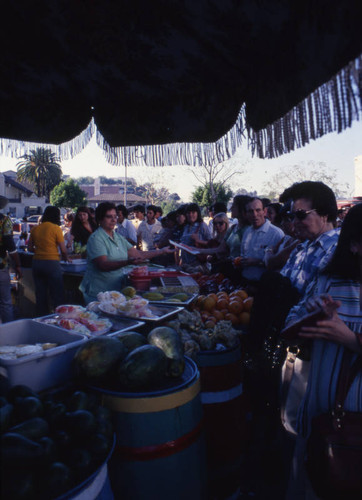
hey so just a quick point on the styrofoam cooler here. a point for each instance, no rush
(42, 370)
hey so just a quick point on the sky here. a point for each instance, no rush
(337, 151)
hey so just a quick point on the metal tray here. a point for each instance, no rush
(187, 302)
(161, 312)
(119, 324)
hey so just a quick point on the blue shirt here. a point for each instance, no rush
(254, 243)
(310, 257)
(116, 248)
(327, 358)
(127, 230)
(202, 231)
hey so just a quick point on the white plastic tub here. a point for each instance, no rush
(76, 266)
(43, 370)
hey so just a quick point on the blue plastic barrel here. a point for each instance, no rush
(226, 418)
(160, 446)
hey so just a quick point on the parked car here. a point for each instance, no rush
(33, 219)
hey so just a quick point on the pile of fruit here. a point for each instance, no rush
(50, 443)
(197, 337)
(234, 307)
(130, 361)
(213, 283)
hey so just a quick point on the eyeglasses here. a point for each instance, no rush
(300, 214)
(219, 223)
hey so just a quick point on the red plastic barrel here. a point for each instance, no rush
(226, 418)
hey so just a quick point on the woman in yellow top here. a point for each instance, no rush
(47, 242)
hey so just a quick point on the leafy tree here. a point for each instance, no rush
(314, 171)
(204, 196)
(68, 194)
(88, 181)
(40, 168)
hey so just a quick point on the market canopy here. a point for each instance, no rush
(171, 82)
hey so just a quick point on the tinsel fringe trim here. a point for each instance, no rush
(331, 108)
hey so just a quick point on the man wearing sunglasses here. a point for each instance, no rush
(313, 213)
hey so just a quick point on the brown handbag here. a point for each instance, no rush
(334, 447)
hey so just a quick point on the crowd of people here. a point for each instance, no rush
(298, 240)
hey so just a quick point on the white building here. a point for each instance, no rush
(22, 199)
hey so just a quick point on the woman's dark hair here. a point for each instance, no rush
(277, 207)
(194, 207)
(102, 209)
(344, 264)
(181, 210)
(319, 194)
(51, 214)
(123, 210)
(77, 227)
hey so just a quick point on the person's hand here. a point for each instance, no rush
(333, 329)
(18, 273)
(136, 261)
(168, 250)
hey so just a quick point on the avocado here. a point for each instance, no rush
(6, 413)
(34, 428)
(78, 401)
(20, 391)
(169, 341)
(153, 296)
(28, 407)
(80, 422)
(57, 479)
(19, 451)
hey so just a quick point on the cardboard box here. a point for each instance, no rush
(49, 368)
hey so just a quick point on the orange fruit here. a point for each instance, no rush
(248, 304)
(213, 296)
(224, 312)
(208, 304)
(222, 295)
(235, 307)
(205, 315)
(244, 318)
(242, 294)
(218, 315)
(222, 304)
(199, 300)
(232, 317)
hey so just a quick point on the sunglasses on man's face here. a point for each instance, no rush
(300, 214)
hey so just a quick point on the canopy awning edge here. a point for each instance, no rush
(65, 151)
(332, 107)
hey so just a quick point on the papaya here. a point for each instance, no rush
(129, 291)
(182, 297)
(169, 341)
(131, 340)
(143, 368)
(98, 356)
(153, 296)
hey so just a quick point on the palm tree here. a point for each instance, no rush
(40, 167)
